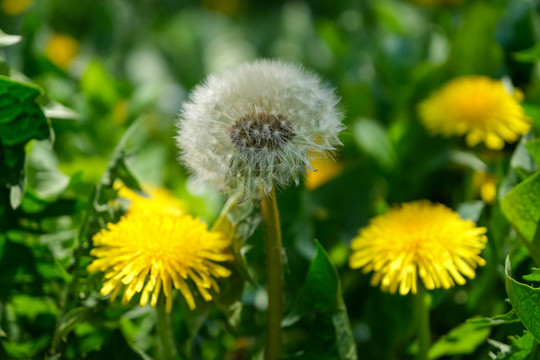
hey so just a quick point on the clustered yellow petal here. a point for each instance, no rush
(418, 239)
(153, 251)
(478, 107)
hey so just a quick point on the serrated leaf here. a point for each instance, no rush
(525, 300)
(7, 40)
(508, 318)
(462, 340)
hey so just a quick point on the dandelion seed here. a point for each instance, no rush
(257, 126)
(418, 239)
(150, 252)
(479, 108)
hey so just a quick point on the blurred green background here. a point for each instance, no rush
(104, 65)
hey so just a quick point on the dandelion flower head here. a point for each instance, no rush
(418, 239)
(153, 251)
(478, 107)
(257, 125)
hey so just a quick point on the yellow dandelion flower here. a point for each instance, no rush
(479, 108)
(61, 50)
(152, 252)
(159, 199)
(418, 239)
(485, 185)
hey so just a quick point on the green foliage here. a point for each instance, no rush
(463, 339)
(89, 94)
(526, 302)
(320, 297)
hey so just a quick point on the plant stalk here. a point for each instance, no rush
(422, 315)
(166, 347)
(274, 270)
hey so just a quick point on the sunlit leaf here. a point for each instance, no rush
(508, 318)
(531, 54)
(526, 302)
(463, 339)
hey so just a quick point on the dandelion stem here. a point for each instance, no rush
(166, 347)
(422, 316)
(274, 270)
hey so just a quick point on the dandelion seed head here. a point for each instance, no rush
(257, 126)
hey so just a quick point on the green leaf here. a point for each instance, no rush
(7, 40)
(21, 118)
(525, 300)
(521, 206)
(508, 318)
(320, 289)
(531, 54)
(534, 276)
(520, 349)
(331, 336)
(461, 340)
(371, 137)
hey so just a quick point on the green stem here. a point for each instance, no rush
(274, 270)
(165, 337)
(422, 315)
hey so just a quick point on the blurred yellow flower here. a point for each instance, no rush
(326, 170)
(418, 239)
(479, 108)
(154, 251)
(159, 199)
(61, 50)
(486, 185)
(15, 7)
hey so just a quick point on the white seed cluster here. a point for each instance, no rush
(257, 126)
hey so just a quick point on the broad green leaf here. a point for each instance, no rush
(371, 137)
(331, 337)
(525, 300)
(320, 289)
(520, 349)
(521, 206)
(21, 118)
(534, 276)
(531, 54)
(7, 40)
(461, 340)
(508, 318)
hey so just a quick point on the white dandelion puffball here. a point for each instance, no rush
(257, 126)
